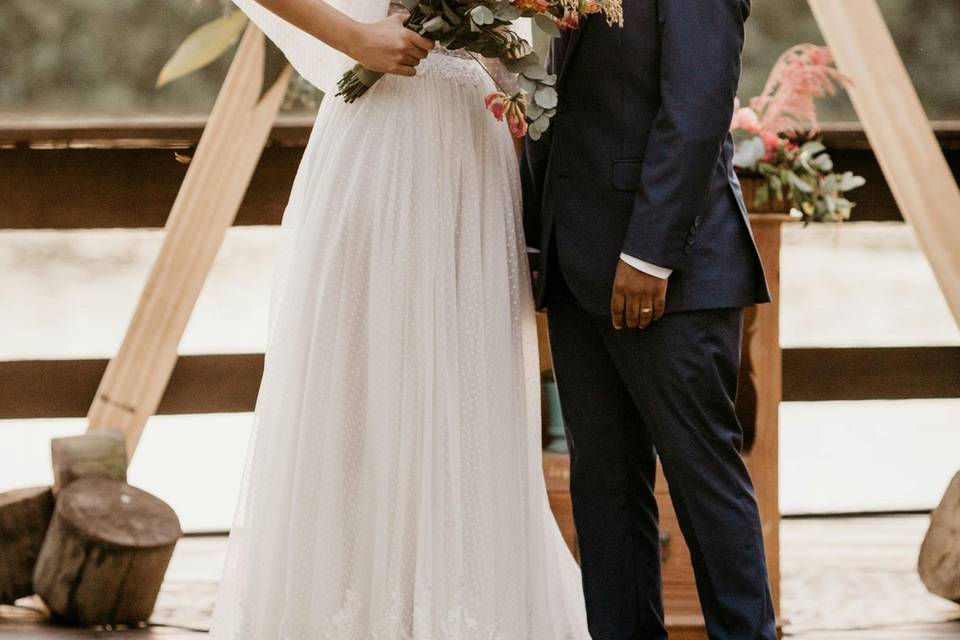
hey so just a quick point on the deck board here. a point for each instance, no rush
(843, 579)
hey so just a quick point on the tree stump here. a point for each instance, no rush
(106, 553)
(939, 564)
(24, 518)
(102, 454)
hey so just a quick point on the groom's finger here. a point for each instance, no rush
(633, 311)
(646, 310)
(617, 303)
(660, 304)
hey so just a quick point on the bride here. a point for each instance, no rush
(393, 488)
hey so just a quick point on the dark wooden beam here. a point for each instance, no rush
(221, 383)
(875, 373)
(224, 383)
(102, 175)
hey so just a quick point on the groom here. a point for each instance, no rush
(646, 261)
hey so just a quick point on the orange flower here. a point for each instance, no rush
(540, 6)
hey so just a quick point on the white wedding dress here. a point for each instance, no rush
(393, 488)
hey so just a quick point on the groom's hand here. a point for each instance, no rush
(638, 298)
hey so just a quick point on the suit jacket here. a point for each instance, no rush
(638, 158)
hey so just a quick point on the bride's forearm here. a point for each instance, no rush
(385, 46)
(320, 20)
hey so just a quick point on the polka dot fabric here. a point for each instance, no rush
(393, 488)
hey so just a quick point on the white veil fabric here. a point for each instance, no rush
(318, 63)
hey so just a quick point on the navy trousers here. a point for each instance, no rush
(628, 396)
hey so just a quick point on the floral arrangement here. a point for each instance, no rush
(775, 137)
(481, 27)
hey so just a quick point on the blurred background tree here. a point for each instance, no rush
(95, 59)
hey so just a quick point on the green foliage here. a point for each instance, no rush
(203, 46)
(803, 177)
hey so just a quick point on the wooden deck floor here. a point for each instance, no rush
(844, 579)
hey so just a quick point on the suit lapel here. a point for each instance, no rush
(568, 45)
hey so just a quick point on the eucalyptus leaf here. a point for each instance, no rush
(203, 46)
(534, 134)
(519, 65)
(546, 97)
(481, 15)
(813, 147)
(435, 24)
(849, 182)
(547, 25)
(797, 183)
(822, 162)
(550, 80)
(506, 12)
(535, 71)
(748, 152)
(534, 111)
(526, 84)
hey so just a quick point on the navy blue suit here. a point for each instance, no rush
(638, 160)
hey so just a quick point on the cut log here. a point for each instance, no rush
(101, 454)
(939, 564)
(105, 555)
(24, 518)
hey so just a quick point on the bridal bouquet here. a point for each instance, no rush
(481, 27)
(776, 140)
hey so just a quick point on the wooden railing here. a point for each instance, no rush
(84, 175)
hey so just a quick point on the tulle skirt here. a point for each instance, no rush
(393, 488)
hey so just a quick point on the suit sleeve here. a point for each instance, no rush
(700, 44)
(533, 171)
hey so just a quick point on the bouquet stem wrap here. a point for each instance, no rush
(356, 82)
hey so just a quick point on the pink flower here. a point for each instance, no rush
(512, 108)
(772, 142)
(497, 102)
(570, 20)
(747, 119)
(517, 120)
(801, 76)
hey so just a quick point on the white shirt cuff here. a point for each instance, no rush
(650, 269)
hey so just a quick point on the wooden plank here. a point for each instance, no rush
(226, 383)
(881, 373)
(229, 382)
(122, 188)
(207, 202)
(133, 182)
(899, 132)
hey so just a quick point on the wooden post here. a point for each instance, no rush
(101, 454)
(899, 132)
(228, 152)
(763, 364)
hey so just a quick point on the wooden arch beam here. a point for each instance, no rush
(899, 132)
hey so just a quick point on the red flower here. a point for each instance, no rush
(513, 108)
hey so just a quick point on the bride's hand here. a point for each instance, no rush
(389, 47)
